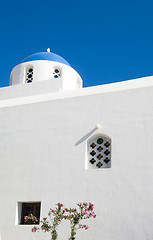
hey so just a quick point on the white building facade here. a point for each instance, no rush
(60, 142)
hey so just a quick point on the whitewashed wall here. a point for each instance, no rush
(43, 70)
(45, 142)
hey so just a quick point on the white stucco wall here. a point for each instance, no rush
(43, 140)
(43, 70)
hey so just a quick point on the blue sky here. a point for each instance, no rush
(104, 41)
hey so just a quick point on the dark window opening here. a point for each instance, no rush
(30, 208)
(29, 74)
(57, 73)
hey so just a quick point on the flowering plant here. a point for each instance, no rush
(30, 219)
(74, 215)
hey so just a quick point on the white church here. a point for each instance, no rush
(60, 142)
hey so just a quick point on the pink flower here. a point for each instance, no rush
(63, 210)
(33, 229)
(85, 212)
(86, 204)
(61, 204)
(79, 204)
(86, 228)
(91, 206)
(93, 214)
(81, 226)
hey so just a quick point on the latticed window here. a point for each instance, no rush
(99, 152)
(57, 73)
(30, 208)
(29, 74)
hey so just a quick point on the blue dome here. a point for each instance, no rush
(46, 56)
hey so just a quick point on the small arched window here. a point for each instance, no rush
(99, 152)
(78, 83)
(29, 74)
(57, 72)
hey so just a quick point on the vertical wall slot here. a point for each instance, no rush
(29, 74)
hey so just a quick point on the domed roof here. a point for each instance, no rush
(45, 56)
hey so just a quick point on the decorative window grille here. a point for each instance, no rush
(99, 152)
(30, 208)
(29, 74)
(57, 73)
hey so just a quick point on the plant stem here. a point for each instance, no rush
(73, 232)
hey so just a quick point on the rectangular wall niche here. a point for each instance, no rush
(25, 209)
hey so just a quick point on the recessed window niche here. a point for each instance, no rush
(25, 209)
(57, 72)
(29, 74)
(98, 152)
